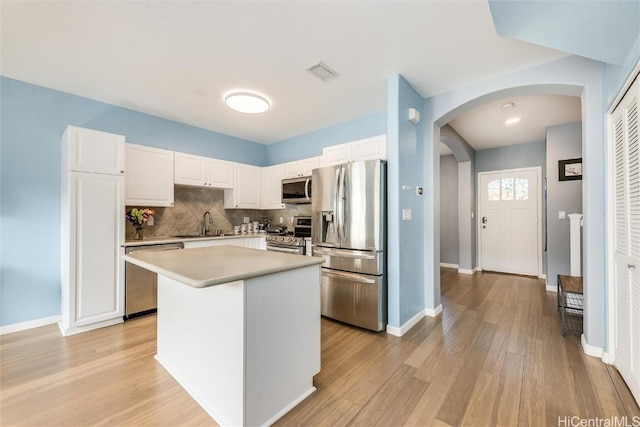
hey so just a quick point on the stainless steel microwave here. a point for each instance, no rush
(296, 190)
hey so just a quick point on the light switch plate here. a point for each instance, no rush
(562, 215)
(406, 214)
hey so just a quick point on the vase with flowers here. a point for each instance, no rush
(138, 218)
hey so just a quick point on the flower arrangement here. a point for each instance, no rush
(139, 217)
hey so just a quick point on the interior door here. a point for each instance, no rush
(627, 238)
(509, 221)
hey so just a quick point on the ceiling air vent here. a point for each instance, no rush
(321, 71)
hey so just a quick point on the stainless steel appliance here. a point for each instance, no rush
(141, 285)
(296, 190)
(278, 240)
(285, 243)
(349, 227)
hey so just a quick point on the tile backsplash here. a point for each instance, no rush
(190, 204)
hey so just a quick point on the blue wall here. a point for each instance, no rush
(33, 119)
(311, 144)
(405, 249)
(615, 76)
(512, 157)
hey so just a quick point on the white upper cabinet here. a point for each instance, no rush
(272, 187)
(202, 171)
(86, 150)
(246, 190)
(149, 176)
(190, 169)
(370, 148)
(363, 149)
(220, 173)
(336, 154)
(301, 168)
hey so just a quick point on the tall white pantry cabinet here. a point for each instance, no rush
(92, 217)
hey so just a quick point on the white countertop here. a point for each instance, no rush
(203, 267)
(162, 240)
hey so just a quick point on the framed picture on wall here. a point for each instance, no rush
(570, 170)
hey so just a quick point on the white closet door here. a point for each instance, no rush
(627, 238)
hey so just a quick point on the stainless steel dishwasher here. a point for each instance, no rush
(141, 285)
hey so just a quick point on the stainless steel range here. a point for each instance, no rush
(281, 241)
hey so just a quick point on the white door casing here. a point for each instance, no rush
(510, 232)
(625, 140)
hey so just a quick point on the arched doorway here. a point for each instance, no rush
(571, 76)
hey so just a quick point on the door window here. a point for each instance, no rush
(508, 189)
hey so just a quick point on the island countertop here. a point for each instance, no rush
(209, 266)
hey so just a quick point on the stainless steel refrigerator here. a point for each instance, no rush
(348, 231)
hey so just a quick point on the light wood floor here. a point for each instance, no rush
(494, 357)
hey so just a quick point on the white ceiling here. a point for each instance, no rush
(178, 59)
(484, 127)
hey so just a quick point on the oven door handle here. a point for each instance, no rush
(348, 276)
(281, 249)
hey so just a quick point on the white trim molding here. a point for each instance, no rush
(608, 358)
(446, 265)
(551, 288)
(465, 271)
(539, 200)
(542, 276)
(430, 312)
(591, 350)
(17, 327)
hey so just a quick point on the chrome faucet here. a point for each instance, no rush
(204, 230)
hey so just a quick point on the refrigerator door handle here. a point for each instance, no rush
(344, 254)
(342, 206)
(306, 188)
(348, 276)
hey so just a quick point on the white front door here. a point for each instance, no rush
(509, 223)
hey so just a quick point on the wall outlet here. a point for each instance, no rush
(150, 221)
(562, 215)
(247, 220)
(406, 214)
(281, 220)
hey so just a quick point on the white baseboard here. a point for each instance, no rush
(398, 332)
(79, 329)
(542, 276)
(445, 265)
(591, 350)
(551, 288)
(17, 327)
(608, 358)
(465, 271)
(433, 312)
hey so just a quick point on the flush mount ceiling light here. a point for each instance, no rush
(512, 121)
(247, 102)
(508, 106)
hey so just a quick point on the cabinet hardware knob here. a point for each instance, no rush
(631, 266)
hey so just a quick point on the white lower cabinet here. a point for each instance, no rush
(92, 235)
(257, 242)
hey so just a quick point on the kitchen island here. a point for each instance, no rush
(238, 328)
